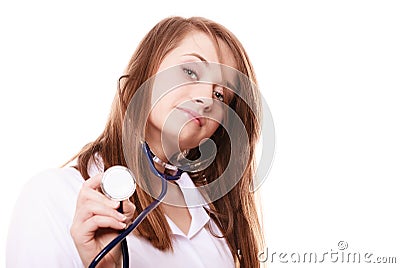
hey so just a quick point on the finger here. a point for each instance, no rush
(92, 202)
(91, 208)
(96, 222)
(94, 182)
(88, 194)
(129, 210)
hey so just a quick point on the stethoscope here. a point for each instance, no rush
(118, 184)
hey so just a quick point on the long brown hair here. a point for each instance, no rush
(235, 213)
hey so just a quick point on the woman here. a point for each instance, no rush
(68, 225)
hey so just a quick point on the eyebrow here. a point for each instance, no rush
(230, 86)
(197, 56)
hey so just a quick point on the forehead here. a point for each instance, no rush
(202, 44)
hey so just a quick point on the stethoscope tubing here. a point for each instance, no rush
(124, 244)
(121, 237)
(131, 227)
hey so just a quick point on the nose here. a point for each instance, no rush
(202, 96)
(206, 103)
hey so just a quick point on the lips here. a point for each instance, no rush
(193, 115)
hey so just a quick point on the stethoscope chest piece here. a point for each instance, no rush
(118, 183)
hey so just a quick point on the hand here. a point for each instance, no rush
(97, 222)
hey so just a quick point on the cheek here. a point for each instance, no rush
(163, 105)
(156, 114)
(212, 127)
(164, 115)
(217, 114)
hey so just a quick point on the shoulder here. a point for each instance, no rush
(54, 176)
(53, 183)
(51, 188)
(47, 202)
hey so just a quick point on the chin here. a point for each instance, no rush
(188, 145)
(190, 137)
(188, 142)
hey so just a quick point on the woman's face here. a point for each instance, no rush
(192, 112)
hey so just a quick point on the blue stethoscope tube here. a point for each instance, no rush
(121, 237)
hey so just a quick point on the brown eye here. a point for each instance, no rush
(219, 95)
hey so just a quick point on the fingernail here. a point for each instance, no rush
(123, 225)
(122, 216)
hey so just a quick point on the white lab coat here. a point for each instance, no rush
(39, 232)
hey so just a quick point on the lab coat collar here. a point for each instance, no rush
(196, 205)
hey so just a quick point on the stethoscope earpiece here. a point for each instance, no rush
(118, 183)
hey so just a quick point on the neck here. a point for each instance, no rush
(160, 158)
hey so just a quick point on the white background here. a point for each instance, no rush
(329, 70)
